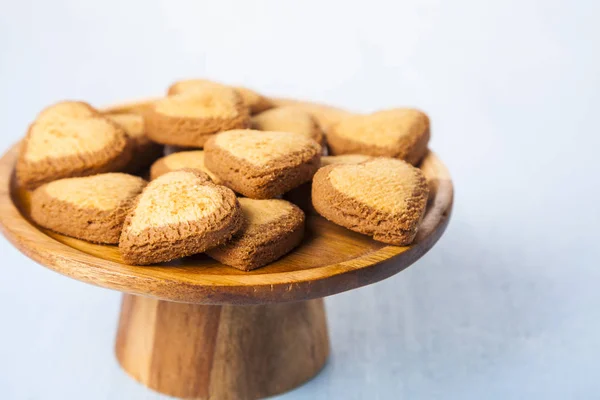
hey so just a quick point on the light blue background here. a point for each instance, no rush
(506, 306)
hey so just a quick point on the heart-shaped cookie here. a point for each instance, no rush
(179, 214)
(400, 133)
(289, 119)
(188, 119)
(91, 208)
(71, 139)
(181, 160)
(68, 109)
(255, 102)
(272, 229)
(301, 195)
(382, 197)
(326, 116)
(262, 165)
(144, 150)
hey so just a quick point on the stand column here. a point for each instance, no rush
(197, 351)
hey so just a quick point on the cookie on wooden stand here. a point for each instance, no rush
(255, 102)
(383, 197)
(262, 165)
(400, 133)
(91, 208)
(190, 119)
(301, 196)
(289, 119)
(326, 116)
(272, 229)
(181, 160)
(71, 139)
(179, 214)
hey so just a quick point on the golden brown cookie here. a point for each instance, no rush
(301, 196)
(181, 160)
(400, 133)
(262, 165)
(255, 102)
(71, 139)
(289, 119)
(272, 229)
(189, 119)
(145, 151)
(383, 197)
(91, 208)
(326, 116)
(68, 109)
(179, 214)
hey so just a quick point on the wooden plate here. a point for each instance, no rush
(331, 259)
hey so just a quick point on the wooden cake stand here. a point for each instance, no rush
(199, 329)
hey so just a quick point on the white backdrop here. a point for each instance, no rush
(505, 306)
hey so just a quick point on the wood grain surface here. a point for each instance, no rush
(331, 259)
(198, 351)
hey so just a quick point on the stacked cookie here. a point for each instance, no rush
(71, 139)
(235, 165)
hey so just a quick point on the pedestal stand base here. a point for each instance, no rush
(221, 352)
